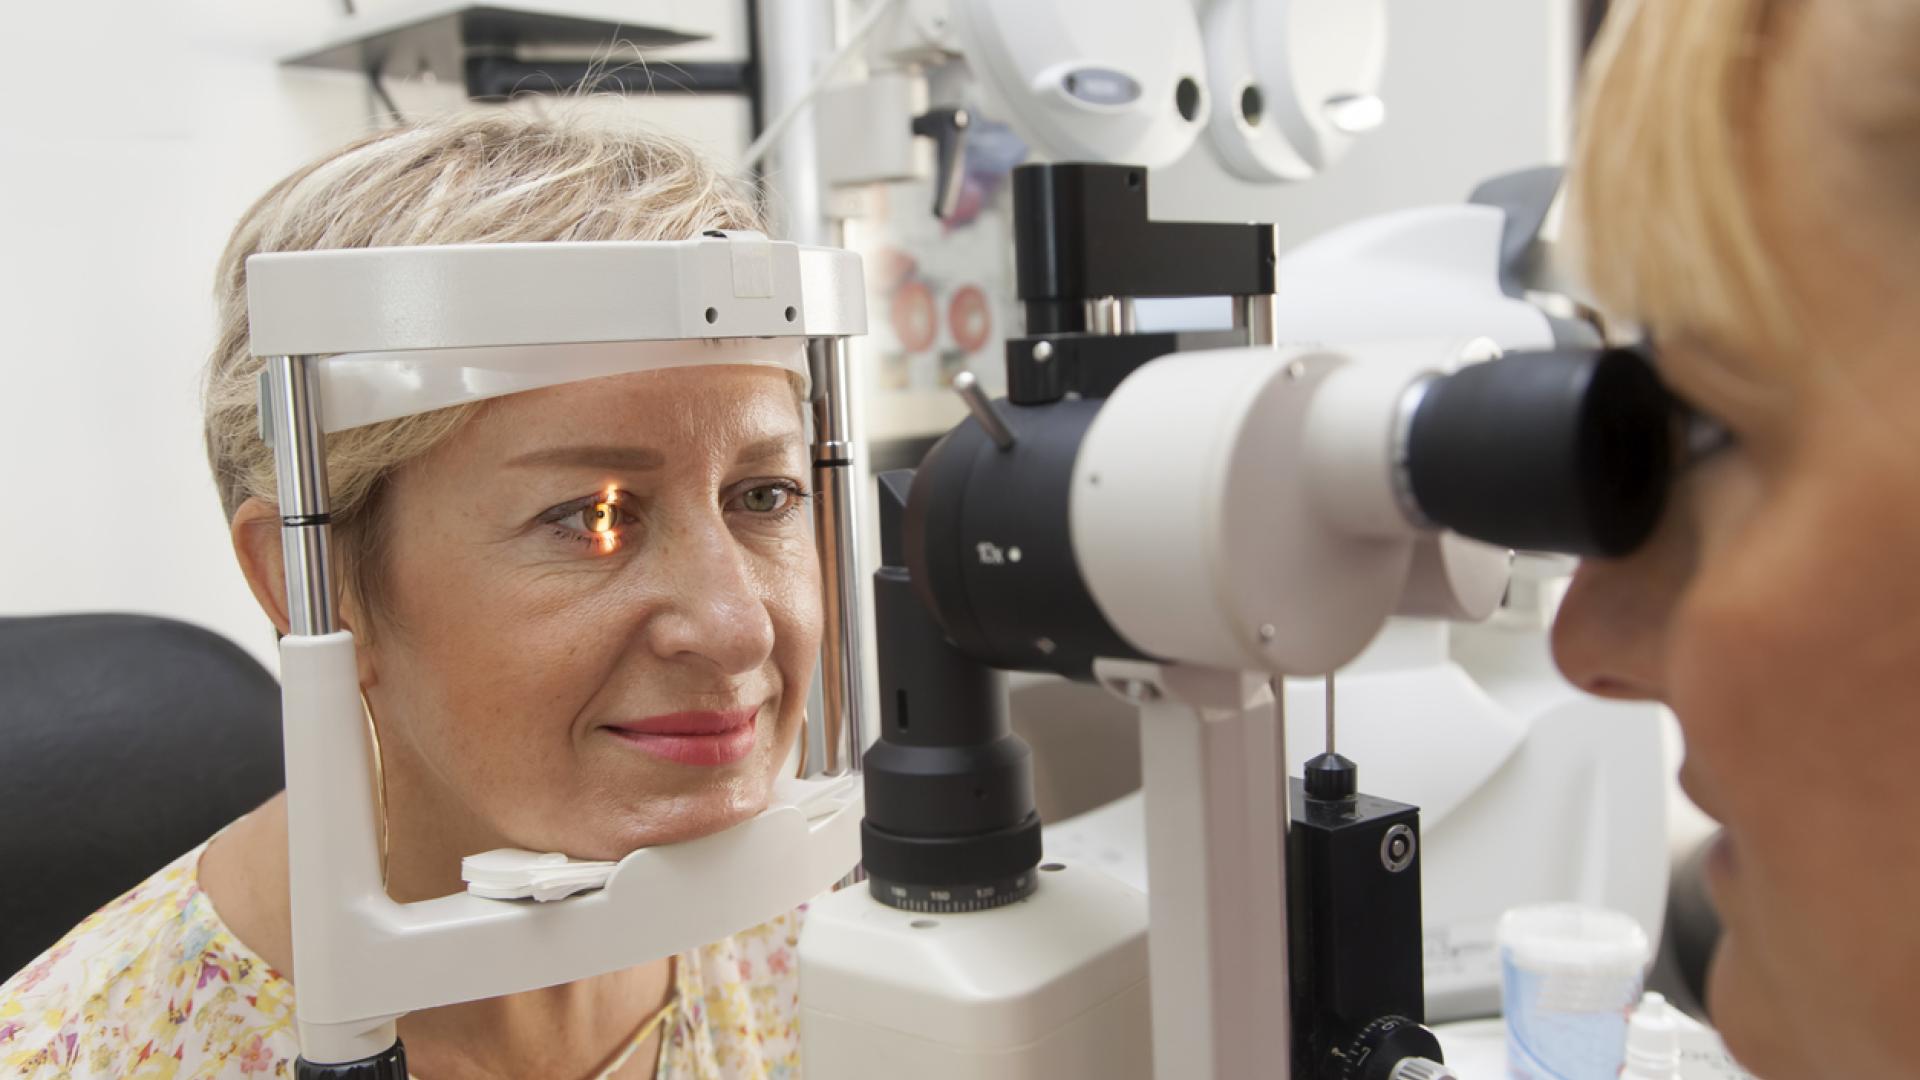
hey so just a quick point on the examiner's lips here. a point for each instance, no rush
(693, 738)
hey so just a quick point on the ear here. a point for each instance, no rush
(256, 544)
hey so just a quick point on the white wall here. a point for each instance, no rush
(145, 128)
(139, 132)
(1473, 88)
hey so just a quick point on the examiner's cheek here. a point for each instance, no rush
(1746, 1015)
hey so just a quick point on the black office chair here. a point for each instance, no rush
(124, 741)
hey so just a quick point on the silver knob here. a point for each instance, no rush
(982, 409)
(1421, 1069)
(1354, 114)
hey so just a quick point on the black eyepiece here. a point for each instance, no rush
(1568, 451)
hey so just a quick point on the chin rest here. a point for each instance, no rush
(125, 740)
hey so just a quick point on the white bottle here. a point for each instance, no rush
(1653, 1042)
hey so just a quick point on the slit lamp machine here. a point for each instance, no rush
(1180, 517)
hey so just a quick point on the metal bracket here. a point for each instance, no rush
(752, 255)
(263, 402)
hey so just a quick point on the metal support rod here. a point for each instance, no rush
(1107, 315)
(792, 35)
(1259, 316)
(967, 385)
(1283, 1018)
(837, 532)
(1330, 712)
(300, 461)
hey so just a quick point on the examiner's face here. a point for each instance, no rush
(601, 610)
(1778, 610)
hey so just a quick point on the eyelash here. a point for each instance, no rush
(796, 499)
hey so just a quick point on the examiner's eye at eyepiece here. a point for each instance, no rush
(1564, 451)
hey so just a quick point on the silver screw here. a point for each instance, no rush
(1479, 349)
(1013, 554)
(1043, 352)
(1295, 369)
(1397, 848)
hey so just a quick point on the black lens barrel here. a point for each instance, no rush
(988, 537)
(950, 819)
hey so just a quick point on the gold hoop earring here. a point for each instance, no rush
(379, 783)
(804, 750)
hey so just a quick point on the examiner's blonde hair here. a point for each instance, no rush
(1662, 207)
(492, 176)
(1663, 186)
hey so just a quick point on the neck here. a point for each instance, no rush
(569, 1030)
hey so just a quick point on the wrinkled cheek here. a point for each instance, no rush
(798, 610)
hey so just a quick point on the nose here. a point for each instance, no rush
(1610, 638)
(709, 602)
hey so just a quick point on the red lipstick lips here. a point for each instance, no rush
(693, 738)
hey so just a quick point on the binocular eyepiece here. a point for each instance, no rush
(1569, 451)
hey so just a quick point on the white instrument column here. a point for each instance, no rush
(1213, 757)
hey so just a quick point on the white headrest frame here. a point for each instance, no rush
(462, 296)
(405, 330)
(364, 388)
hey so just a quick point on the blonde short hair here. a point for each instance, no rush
(490, 176)
(1664, 179)
(1662, 206)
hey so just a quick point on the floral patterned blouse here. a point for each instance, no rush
(155, 986)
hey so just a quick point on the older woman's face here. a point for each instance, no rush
(1778, 613)
(601, 611)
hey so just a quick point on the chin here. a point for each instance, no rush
(677, 818)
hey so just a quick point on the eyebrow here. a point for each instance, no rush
(770, 447)
(640, 458)
(615, 458)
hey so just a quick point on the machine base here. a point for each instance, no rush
(1051, 986)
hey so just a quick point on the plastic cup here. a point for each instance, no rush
(1570, 978)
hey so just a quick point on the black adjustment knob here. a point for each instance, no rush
(947, 127)
(1568, 451)
(389, 1064)
(1331, 777)
(1380, 1048)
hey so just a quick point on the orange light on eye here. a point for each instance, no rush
(601, 519)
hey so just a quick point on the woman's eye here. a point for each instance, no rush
(1702, 437)
(766, 499)
(598, 520)
(770, 501)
